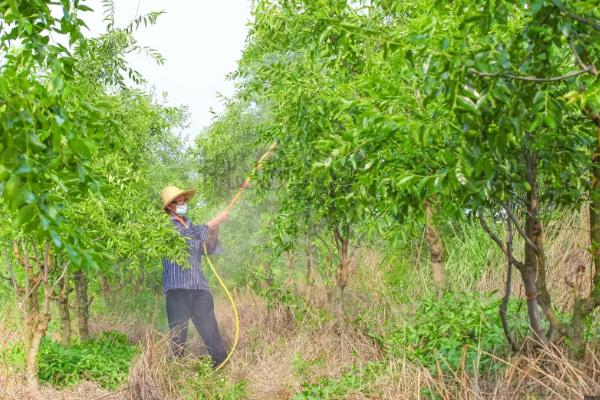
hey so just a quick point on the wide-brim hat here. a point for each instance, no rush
(170, 193)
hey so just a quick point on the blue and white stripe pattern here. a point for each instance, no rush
(176, 276)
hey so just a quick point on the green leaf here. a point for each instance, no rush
(74, 255)
(23, 195)
(83, 147)
(23, 169)
(468, 104)
(4, 173)
(55, 238)
(405, 180)
(550, 121)
(35, 141)
(11, 188)
(26, 215)
(83, 7)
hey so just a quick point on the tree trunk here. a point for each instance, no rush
(585, 306)
(529, 282)
(83, 304)
(38, 330)
(529, 277)
(107, 292)
(290, 262)
(533, 231)
(140, 280)
(577, 331)
(310, 263)
(594, 299)
(63, 308)
(436, 250)
(535, 256)
(508, 282)
(341, 241)
(36, 317)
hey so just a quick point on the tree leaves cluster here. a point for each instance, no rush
(83, 156)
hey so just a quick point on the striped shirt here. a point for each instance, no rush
(176, 276)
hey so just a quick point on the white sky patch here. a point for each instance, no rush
(201, 40)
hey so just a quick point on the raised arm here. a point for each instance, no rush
(212, 239)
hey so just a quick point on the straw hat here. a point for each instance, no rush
(170, 193)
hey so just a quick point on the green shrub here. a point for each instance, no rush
(105, 360)
(459, 323)
(12, 359)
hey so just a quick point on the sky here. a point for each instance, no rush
(201, 40)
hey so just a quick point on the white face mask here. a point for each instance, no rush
(181, 209)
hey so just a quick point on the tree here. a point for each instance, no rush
(77, 150)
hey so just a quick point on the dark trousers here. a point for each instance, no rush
(183, 304)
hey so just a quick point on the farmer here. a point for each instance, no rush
(185, 287)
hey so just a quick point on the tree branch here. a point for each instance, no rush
(491, 234)
(508, 285)
(576, 54)
(532, 78)
(520, 229)
(13, 278)
(595, 117)
(591, 68)
(589, 22)
(498, 242)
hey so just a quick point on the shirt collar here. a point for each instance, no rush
(187, 220)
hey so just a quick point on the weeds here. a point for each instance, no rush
(441, 330)
(104, 360)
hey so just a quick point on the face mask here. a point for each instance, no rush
(181, 209)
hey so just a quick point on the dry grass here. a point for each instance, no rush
(273, 341)
(149, 377)
(548, 374)
(14, 388)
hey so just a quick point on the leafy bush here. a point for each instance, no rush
(105, 360)
(459, 325)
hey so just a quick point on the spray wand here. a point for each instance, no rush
(231, 204)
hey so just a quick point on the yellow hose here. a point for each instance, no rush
(214, 270)
(233, 305)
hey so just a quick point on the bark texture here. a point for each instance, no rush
(83, 304)
(436, 251)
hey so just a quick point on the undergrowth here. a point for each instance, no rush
(456, 331)
(196, 380)
(329, 388)
(104, 360)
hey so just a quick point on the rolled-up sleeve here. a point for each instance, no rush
(218, 250)
(199, 233)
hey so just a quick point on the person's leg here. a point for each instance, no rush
(178, 314)
(203, 317)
